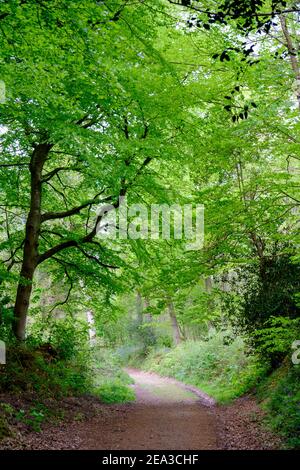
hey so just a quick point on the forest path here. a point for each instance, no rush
(165, 416)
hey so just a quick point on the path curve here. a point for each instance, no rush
(161, 388)
(165, 416)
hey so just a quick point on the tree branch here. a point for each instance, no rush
(73, 211)
(189, 5)
(7, 165)
(69, 291)
(89, 237)
(13, 253)
(94, 258)
(54, 172)
(290, 197)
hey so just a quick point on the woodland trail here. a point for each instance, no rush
(165, 416)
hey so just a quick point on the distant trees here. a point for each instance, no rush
(139, 100)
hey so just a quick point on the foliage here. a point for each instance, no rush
(274, 341)
(273, 293)
(248, 15)
(262, 301)
(87, 128)
(108, 365)
(33, 418)
(111, 383)
(115, 392)
(280, 394)
(218, 365)
(31, 370)
(6, 318)
(67, 337)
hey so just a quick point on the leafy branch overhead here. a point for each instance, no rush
(165, 102)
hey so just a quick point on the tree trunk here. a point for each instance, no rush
(147, 315)
(139, 308)
(174, 322)
(91, 323)
(32, 232)
(293, 55)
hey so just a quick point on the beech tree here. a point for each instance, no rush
(80, 126)
(145, 101)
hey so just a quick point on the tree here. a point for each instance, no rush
(79, 130)
(134, 100)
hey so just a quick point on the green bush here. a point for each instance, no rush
(114, 391)
(281, 395)
(30, 370)
(274, 341)
(110, 380)
(54, 361)
(34, 418)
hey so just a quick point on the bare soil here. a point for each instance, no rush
(166, 415)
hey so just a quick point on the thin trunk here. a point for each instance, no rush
(257, 242)
(147, 315)
(174, 322)
(208, 284)
(91, 323)
(293, 55)
(139, 308)
(32, 232)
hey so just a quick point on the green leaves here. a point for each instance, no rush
(113, 87)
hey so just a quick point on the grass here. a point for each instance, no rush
(37, 379)
(111, 383)
(114, 391)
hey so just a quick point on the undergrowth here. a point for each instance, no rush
(218, 365)
(111, 383)
(38, 374)
(280, 395)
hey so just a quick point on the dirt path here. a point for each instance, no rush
(166, 415)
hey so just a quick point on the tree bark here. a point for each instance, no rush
(174, 322)
(91, 323)
(293, 55)
(147, 315)
(32, 232)
(139, 308)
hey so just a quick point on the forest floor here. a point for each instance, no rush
(166, 415)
